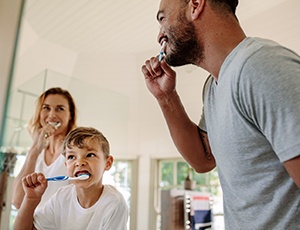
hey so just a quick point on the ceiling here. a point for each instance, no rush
(94, 25)
(119, 26)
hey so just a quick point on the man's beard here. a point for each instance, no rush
(184, 47)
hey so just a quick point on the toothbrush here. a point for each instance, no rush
(55, 124)
(63, 178)
(161, 53)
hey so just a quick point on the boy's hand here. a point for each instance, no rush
(34, 185)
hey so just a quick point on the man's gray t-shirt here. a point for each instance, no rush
(252, 117)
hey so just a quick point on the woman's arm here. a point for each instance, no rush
(28, 167)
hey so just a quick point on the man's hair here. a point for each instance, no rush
(229, 5)
(224, 4)
(81, 137)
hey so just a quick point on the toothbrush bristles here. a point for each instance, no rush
(83, 176)
(55, 124)
(163, 46)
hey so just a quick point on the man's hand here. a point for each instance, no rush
(159, 76)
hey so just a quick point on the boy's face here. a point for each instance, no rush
(88, 160)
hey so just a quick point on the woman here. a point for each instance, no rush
(54, 117)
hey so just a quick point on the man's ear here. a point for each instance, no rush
(109, 162)
(196, 8)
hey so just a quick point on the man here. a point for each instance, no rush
(250, 126)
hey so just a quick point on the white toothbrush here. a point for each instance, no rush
(161, 53)
(55, 124)
(63, 178)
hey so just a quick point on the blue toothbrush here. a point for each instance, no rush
(161, 53)
(63, 178)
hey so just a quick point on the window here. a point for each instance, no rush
(171, 175)
(120, 176)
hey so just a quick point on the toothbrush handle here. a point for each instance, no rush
(57, 178)
(160, 56)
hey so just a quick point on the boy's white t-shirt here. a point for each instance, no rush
(64, 212)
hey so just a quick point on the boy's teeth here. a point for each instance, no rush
(79, 174)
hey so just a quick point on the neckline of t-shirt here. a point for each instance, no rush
(231, 56)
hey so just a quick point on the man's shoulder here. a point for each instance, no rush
(260, 49)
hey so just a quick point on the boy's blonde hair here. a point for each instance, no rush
(81, 136)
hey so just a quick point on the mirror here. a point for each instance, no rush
(96, 53)
(95, 49)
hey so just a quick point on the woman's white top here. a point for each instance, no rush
(57, 168)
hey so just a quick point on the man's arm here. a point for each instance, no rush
(190, 141)
(192, 144)
(293, 168)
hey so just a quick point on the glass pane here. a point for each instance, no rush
(120, 176)
(167, 174)
(182, 171)
(200, 178)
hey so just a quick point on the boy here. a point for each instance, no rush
(84, 204)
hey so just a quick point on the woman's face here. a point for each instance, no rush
(55, 109)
